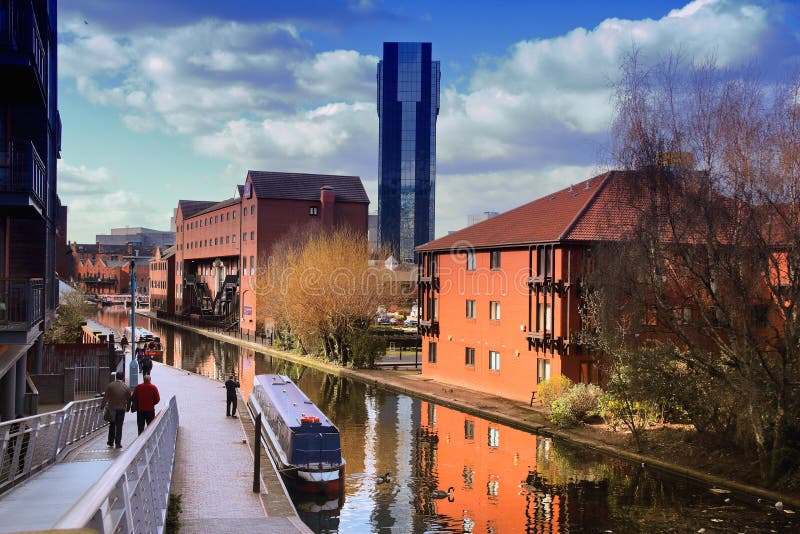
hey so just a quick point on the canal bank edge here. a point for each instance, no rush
(518, 415)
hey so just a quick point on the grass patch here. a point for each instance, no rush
(172, 524)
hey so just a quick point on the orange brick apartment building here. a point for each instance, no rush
(219, 245)
(100, 269)
(499, 301)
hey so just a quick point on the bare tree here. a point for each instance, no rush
(707, 274)
(321, 291)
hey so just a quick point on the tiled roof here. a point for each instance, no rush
(548, 219)
(189, 208)
(298, 186)
(218, 205)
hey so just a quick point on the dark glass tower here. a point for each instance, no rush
(408, 104)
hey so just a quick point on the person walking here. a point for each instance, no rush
(145, 397)
(118, 399)
(146, 364)
(230, 385)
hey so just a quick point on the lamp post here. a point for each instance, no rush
(134, 366)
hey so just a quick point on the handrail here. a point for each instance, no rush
(29, 444)
(131, 496)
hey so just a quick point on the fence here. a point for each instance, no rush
(32, 443)
(85, 358)
(131, 496)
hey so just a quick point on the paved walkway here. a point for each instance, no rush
(213, 470)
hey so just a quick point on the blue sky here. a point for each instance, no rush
(176, 100)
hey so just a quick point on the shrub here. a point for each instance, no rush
(551, 389)
(575, 404)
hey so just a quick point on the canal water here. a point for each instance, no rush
(453, 472)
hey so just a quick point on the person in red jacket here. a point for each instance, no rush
(145, 397)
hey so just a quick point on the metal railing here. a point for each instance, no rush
(32, 443)
(131, 496)
(27, 173)
(21, 301)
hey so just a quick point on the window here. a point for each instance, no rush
(253, 209)
(543, 258)
(469, 357)
(494, 260)
(228, 216)
(252, 236)
(494, 310)
(435, 309)
(227, 240)
(215, 240)
(469, 429)
(494, 437)
(544, 317)
(470, 260)
(244, 263)
(542, 369)
(244, 236)
(233, 238)
(244, 211)
(494, 361)
(470, 309)
(683, 315)
(468, 474)
(216, 219)
(431, 352)
(252, 265)
(650, 316)
(431, 414)
(234, 215)
(312, 210)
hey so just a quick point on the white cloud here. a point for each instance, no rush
(258, 96)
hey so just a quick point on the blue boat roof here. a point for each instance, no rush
(290, 401)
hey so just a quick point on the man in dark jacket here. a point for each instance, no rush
(118, 399)
(230, 385)
(146, 397)
(146, 364)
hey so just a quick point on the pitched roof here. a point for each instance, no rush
(218, 205)
(299, 186)
(548, 219)
(190, 208)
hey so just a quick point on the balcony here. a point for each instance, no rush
(429, 282)
(23, 177)
(98, 281)
(23, 56)
(429, 327)
(543, 340)
(21, 309)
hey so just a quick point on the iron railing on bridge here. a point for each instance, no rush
(131, 496)
(32, 443)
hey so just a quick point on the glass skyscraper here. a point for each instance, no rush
(408, 104)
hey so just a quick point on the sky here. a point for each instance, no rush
(162, 101)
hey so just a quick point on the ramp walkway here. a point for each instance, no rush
(212, 471)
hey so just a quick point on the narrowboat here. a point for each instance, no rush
(148, 342)
(302, 441)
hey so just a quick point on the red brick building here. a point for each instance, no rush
(105, 269)
(499, 301)
(162, 278)
(220, 245)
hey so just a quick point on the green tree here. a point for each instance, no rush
(73, 310)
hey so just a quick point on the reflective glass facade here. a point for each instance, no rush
(408, 104)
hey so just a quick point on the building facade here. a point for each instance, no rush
(162, 278)
(138, 236)
(222, 246)
(30, 144)
(100, 269)
(475, 218)
(408, 106)
(499, 301)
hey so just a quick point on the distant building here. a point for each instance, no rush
(475, 218)
(30, 145)
(162, 279)
(221, 245)
(372, 231)
(138, 236)
(100, 269)
(408, 105)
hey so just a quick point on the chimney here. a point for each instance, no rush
(327, 199)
